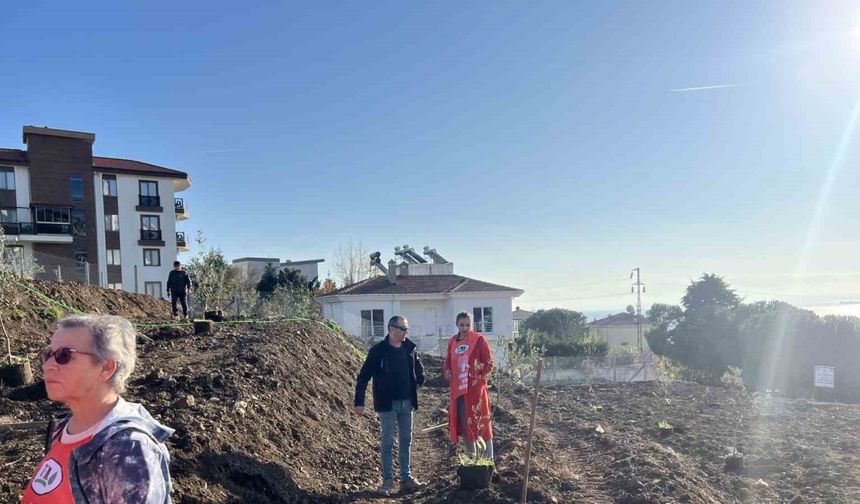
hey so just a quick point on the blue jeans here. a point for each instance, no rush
(401, 415)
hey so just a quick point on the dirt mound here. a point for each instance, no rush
(29, 315)
(262, 413)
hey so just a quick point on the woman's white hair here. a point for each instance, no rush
(113, 338)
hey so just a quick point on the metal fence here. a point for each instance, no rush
(611, 368)
(43, 266)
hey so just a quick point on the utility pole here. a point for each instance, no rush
(638, 287)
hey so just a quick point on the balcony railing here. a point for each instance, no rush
(149, 201)
(150, 234)
(180, 239)
(179, 205)
(20, 220)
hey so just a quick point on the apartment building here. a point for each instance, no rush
(105, 221)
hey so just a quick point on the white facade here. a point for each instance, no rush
(431, 316)
(135, 274)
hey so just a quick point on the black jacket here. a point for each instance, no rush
(377, 365)
(178, 281)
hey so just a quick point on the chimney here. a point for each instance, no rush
(392, 271)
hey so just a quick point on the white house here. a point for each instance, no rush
(622, 329)
(430, 295)
(519, 316)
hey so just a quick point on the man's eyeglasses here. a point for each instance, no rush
(62, 355)
(402, 328)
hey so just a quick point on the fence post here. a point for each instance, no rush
(59, 274)
(136, 289)
(87, 270)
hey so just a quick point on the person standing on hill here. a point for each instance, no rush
(468, 363)
(397, 372)
(178, 284)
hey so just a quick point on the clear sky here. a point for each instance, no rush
(551, 146)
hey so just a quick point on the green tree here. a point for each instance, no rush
(559, 332)
(268, 282)
(708, 295)
(212, 279)
(292, 278)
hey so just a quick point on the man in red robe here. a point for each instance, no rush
(468, 363)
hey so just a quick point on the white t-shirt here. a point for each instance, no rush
(120, 409)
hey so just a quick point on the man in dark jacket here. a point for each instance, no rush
(396, 371)
(178, 284)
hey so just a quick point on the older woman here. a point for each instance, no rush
(106, 450)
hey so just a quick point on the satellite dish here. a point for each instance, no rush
(630, 309)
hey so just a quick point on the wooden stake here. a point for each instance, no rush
(531, 432)
(23, 426)
(434, 428)
(8, 341)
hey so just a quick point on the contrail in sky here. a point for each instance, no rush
(702, 88)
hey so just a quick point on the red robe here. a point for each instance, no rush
(470, 362)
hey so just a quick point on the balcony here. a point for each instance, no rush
(151, 237)
(149, 203)
(179, 208)
(181, 244)
(39, 224)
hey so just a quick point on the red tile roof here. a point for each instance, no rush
(16, 156)
(119, 165)
(421, 284)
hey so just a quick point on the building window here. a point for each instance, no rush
(109, 187)
(79, 222)
(151, 257)
(53, 220)
(114, 286)
(149, 193)
(8, 215)
(112, 256)
(7, 179)
(153, 289)
(150, 227)
(111, 222)
(372, 324)
(76, 188)
(483, 318)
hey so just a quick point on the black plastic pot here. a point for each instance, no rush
(17, 374)
(474, 477)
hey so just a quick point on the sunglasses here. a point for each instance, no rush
(62, 355)
(402, 328)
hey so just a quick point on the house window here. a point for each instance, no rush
(372, 324)
(7, 179)
(153, 289)
(149, 193)
(114, 286)
(76, 188)
(151, 257)
(112, 256)
(109, 187)
(483, 318)
(150, 227)
(111, 222)
(79, 222)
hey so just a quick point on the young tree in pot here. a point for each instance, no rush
(476, 471)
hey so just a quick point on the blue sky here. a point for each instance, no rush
(536, 144)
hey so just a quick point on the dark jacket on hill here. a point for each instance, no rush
(377, 366)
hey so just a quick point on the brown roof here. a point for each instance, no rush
(618, 319)
(16, 156)
(118, 165)
(421, 284)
